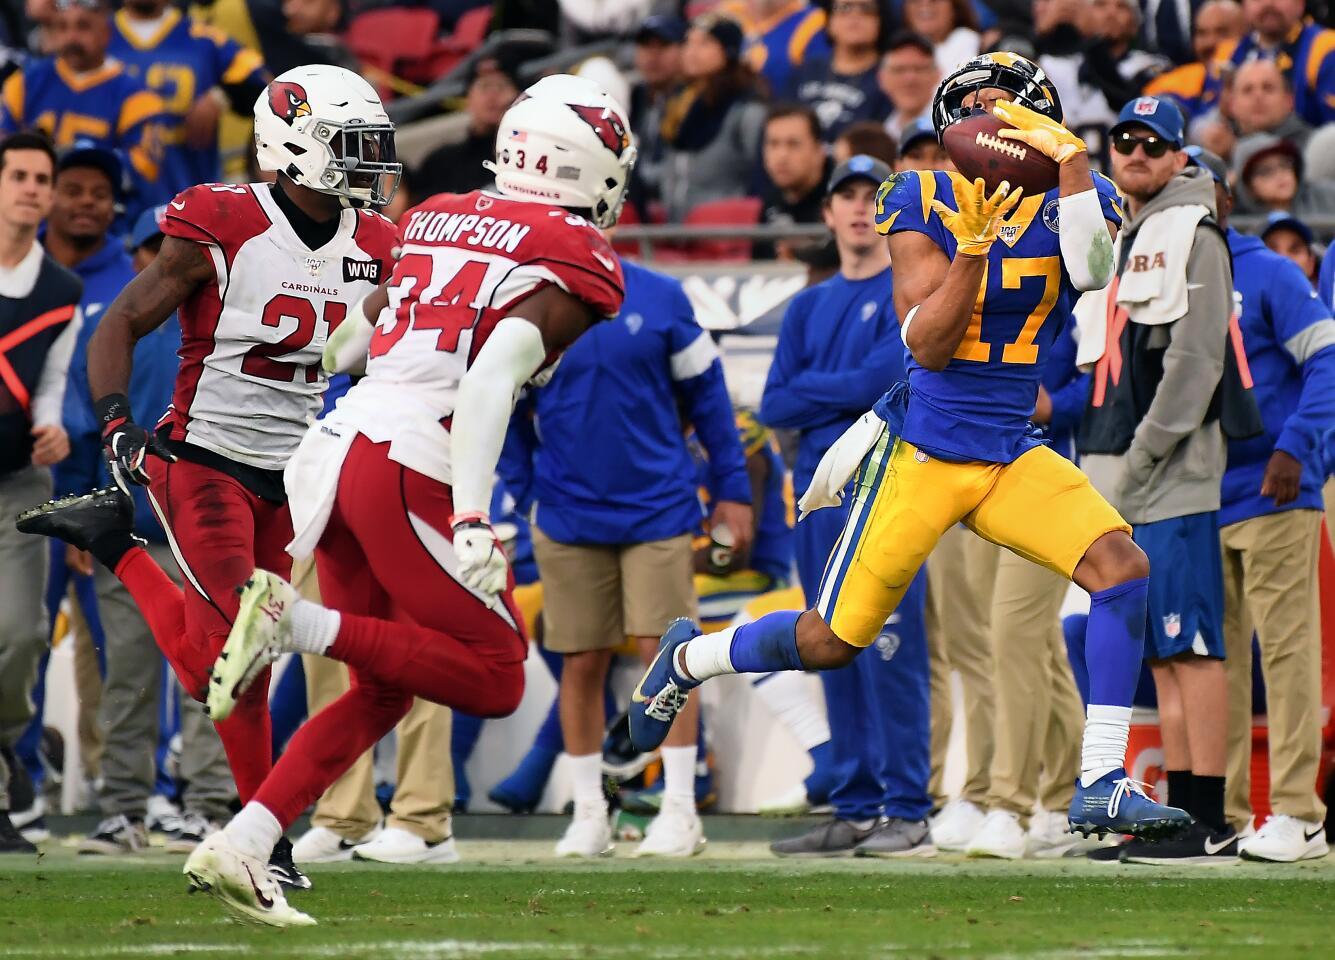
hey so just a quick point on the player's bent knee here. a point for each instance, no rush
(504, 693)
(820, 647)
(1113, 559)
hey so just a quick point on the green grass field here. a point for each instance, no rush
(509, 899)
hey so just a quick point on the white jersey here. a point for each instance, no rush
(250, 381)
(464, 261)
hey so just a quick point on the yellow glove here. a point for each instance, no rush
(979, 217)
(1044, 134)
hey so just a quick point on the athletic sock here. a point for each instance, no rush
(1207, 801)
(1103, 747)
(795, 701)
(586, 776)
(679, 774)
(1115, 641)
(254, 831)
(1179, 789)
(314, 627)
(761, 646)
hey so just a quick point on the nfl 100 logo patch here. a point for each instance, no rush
(1052, 214)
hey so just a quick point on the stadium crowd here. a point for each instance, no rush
(635, 490)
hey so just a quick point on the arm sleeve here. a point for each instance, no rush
(48, 399)
(1305, 327)
(1194, 359)
(780, 405)
(697, 375)
(853, 390)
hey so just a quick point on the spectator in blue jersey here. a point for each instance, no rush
(1196, 86)
(951, 26)
(712, 127)
(132, 686)
(197, 71)
(841, 86)
(1278, 30)
(780, 35)
(604, 462)
(838, 351)
(1270, 530)
(81, 94)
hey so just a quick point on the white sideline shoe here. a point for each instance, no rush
(396, 845)
(675, 832)
(955, 825)
(1050, 836)
(1285, 839)
(322, 845)
(791, 803)
(241, 882)
(1000, 836)
(589, 833)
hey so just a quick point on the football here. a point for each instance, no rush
(976, 150)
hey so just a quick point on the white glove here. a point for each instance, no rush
(482, 564)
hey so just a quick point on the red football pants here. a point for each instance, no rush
(218, 532)
(408, 627)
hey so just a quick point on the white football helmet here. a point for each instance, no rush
(326, 128)
(566, 142)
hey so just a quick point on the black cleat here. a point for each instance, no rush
(283, 869)
(11, 841)
(81, 520)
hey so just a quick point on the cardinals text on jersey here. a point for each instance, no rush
(250, 379)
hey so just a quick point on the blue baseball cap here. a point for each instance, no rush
(1279, 220)
(662, 26)
(1160, 115)
(85, 153)
(858, 167)
(1211, 163)
(146, 226)
(915, 133)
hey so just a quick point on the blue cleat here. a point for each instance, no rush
(661, 692)
(1117, 804)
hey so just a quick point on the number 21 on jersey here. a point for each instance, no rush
(431, 291)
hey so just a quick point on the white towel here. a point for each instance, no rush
(311, 481)
(839, 464)
(1152, 284)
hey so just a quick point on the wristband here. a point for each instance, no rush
(113, 410)
(470, 519)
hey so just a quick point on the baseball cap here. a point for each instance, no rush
(1251, 150)
(84, 153)
(1279, 220)
(725, 30)
(146, 226)
(1212, 163)
(1160, 115)
(662, 26)
(915, 133)
(859, 167)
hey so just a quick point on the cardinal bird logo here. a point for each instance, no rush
(611, 131)
(288, 101)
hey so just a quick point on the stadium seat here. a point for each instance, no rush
(469, 33)
(734, 211)
(630, 217)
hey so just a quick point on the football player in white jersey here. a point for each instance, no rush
(488, 290)
(261, 275)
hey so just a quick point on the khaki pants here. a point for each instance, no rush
(960, 574)
(1039, 714)
(88, 688)
(424, 789)
(1270, 585)
(1329, 493)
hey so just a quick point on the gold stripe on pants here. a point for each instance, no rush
(961, 571)
(1039, 714)
(1270, 585)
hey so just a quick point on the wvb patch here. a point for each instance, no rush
(361, 270)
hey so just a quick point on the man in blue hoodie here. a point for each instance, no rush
(128, 715)
(838, 349)
(1270, 529)
(614, 492)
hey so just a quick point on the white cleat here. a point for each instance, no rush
(1285, 839)
(259, 636)
(675, 832)
(322, 845)
(396, 845)
(1000, 836)
(791, 803)
(589, 833)
(242, 883)
(955, 825)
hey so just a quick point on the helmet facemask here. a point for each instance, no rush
(362, 170)
(1024, 81)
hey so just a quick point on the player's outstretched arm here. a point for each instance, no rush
(346, 349)
(542, 325)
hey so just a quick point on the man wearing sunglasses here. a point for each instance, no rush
(1155, 431)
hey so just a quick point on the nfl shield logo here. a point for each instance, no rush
(1145, 106)
(1172, 625)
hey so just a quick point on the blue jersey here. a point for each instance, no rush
(978, 407)
(779, 44)
(104, 108)
(180, 64)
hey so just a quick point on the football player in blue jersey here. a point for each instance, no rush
(984, 282)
